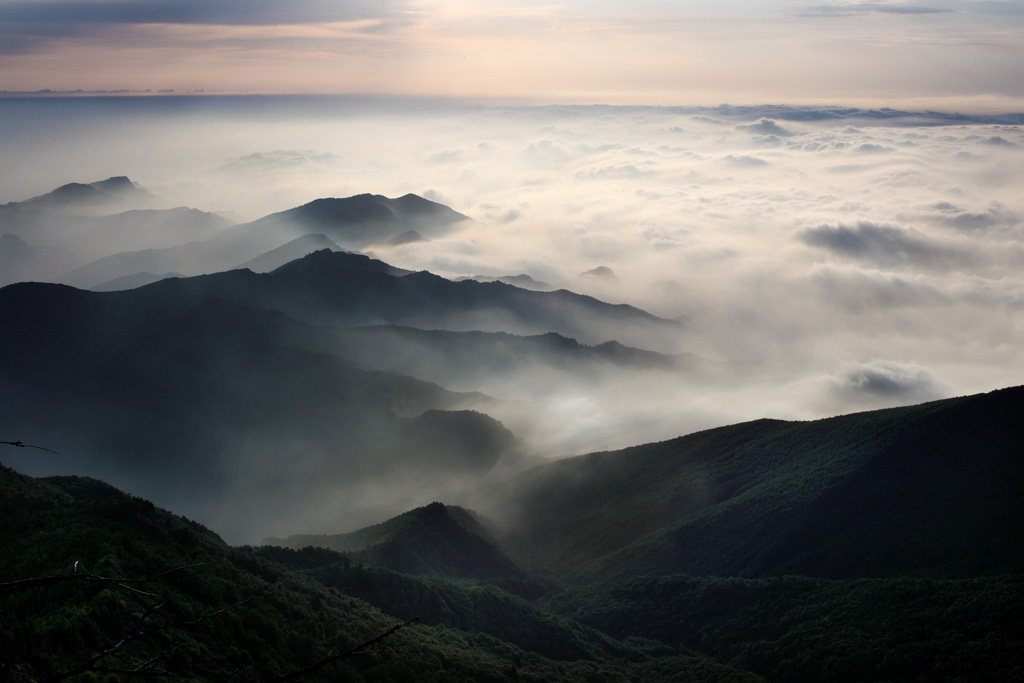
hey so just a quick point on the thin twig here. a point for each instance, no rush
(28, 445)
(334, 658)
(11, 586)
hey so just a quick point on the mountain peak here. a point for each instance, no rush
(365, 219)
(433, 540)
(112, 192)
(117, 185)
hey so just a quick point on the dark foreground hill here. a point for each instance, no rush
(928, 490)
(210, 612)
(845, 580)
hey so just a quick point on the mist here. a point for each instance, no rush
(819, 260)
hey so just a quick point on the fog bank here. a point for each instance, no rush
(832, 259)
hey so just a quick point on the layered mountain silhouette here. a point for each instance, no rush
(522, 280)
(347, 289)
(193, 402)
(174, 388)
(297, 248)
(496, 362)
(106, 236)
(273, 241)
(78, 223)
(329, 400)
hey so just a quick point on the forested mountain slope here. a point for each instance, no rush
(928, 490)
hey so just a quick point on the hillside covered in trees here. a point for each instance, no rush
(870, 547)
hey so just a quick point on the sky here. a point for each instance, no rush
(928, 53)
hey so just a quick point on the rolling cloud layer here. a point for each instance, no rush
(827, 259)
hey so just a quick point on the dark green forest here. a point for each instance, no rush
(881, 546)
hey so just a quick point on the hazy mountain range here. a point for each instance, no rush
(103, 234)
(385, 435)
(224, 394)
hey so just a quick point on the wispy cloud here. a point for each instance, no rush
(570, 52)
(843, 9)
(222, 12)
(887, 246)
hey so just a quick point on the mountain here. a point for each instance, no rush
(221, 395)
(132, 281)
(789, 629)
(434, 540)
(103, 194)
(264, 243)
(521, 280)
(495, 362)
(364, 219)
(78, 223)
(270, 610)
(297, 248)
(19, 261)
(927, 491)
(345, 289)
(105, 568)
(192, 401)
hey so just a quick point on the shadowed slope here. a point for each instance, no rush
(923, 490)
(193, 401)
(340, 288)
(435, 540)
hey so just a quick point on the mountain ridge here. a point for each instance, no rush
(435, 540)
(785, 497)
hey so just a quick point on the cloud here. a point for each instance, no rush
(996, 218)
(886, 383)
(871, 148)
(616, 172)
(843, 9)
(221, 12)
(546, 152)
(791, 278)
(743, 160)
(999, 141)
(42, 26)
(764, 126)
(858, 292)
(282, 160)
(448, 156)
(886, 246)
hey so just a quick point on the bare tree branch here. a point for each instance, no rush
(358, 649)
(28, 445)
(12, 586)
(142, 628)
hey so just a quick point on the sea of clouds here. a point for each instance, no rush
(832, 259)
